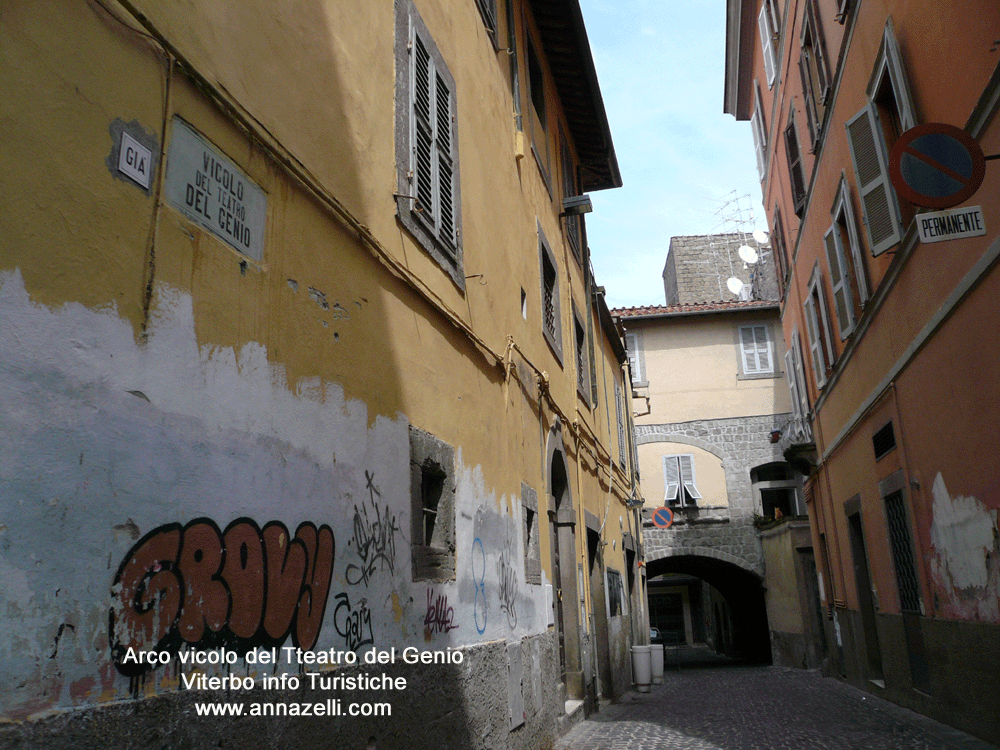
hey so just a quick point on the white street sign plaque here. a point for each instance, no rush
(953, 224)
(134, 160)
(212, 191)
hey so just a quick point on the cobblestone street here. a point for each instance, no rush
(729, 707)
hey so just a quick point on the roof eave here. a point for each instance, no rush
(691, 313)
(560, 23)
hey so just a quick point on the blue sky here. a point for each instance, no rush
(661, 68)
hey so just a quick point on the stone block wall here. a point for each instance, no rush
(723, 533)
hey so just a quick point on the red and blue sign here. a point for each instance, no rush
(663, 517)
(936, 165)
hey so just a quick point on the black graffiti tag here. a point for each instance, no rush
(374, 539)
(440, 618)
(353, 625)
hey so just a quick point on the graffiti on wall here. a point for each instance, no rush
(374, 540)
(241, 588)
(440, 617)
(479, 608)
(507, 586)
(354, 625)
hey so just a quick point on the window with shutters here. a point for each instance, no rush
(636, 359)
(767, 27)
(871, 134)
(551, 323)
(620, 410)
(537, 119)
(582, 362)
(488, 10)
(756, 352)
(758, 127)
(796, 378)
(796, 170)
(814, 71)
(818, 328)
(780, 251)
(844, 258)
(573, 225)
(428, 190)
(678, 479)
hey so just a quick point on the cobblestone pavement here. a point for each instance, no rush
(765, 708)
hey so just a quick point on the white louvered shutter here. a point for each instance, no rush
(793, 385)
(671, 478)
(767, 43)
(758, 144)
(852, 234)
(815, 345)
(838, 280)
(878, 200)
(687, 475)
(800, 374)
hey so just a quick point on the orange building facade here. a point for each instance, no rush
(892, 341)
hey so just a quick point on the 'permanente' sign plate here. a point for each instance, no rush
(953, 224)
(210, 190)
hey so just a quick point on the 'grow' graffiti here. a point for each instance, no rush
(242, 588)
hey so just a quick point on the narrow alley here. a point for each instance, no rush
(710, 704)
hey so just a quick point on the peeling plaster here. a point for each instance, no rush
(216, 432)
(965, 561)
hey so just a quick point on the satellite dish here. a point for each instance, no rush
(735, 285)
(761, 236)
(747, 254)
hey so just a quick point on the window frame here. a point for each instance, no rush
(765, 21)
(841, 264)
(620, 413)
(881, 209)
(797, 377)
(547, 260)
(582, 360)
(818, 328)
(745, 371)
(758, 127)
(442, 240)
(814, 71)
(796, 168)
(436, 561)
(637, 360)
(690, 495)
(572, 225)
(780, 251)
(488, 11)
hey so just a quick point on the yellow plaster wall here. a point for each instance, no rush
(692, 368)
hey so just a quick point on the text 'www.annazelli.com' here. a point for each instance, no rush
(329, 707)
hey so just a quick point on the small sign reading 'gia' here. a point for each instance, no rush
(212, 191)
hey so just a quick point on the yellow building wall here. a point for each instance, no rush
(197, 382)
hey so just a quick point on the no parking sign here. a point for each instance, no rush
(663, 517)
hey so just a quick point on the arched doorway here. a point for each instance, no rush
(735, 621)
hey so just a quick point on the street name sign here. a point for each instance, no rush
(210, 190)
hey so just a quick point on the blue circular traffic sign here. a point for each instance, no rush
(936, 165)
(663, 517)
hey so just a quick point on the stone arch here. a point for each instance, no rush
(673, 437)
(739, 583)
(754, 569)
